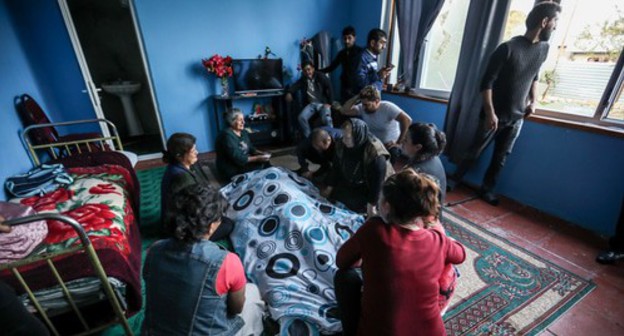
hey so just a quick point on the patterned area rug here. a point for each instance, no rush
(503, 289)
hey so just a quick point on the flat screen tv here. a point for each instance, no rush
(257, 75)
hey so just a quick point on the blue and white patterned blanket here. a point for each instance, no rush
(287, 236)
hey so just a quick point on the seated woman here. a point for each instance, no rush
(235, 152)
(194, 287)
(402, 261)
(182, 171)
(361, 165)
(423, 145)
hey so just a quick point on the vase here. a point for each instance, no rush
(225, 87)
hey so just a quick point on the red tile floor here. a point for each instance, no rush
(601, 313)
(572, 248)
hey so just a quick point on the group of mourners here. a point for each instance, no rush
(395, 274)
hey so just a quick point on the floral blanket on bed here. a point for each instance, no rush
(99, 199)
(287, 236)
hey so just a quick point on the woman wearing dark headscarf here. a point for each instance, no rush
(423, 145)
(182, 171)
(361, 165)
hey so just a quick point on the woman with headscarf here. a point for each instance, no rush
(361, 165)
(423, 145)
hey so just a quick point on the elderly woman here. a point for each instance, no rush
(182, 171)
(360, 167)
(406, 262)
(193, 286)
(423, 145)
(235, 152)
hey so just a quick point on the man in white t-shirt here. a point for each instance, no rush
(387, 121)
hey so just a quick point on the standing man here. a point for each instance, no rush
(367, 71)
(348, 57)
(385, 119)
(316, 91)
(508, 90)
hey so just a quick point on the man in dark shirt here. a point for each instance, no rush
(367, 70)
(508, 91)
(318, 148)
(317, 96)
(348, 58)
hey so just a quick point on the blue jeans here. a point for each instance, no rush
(309, 111)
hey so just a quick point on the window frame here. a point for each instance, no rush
(611, 93)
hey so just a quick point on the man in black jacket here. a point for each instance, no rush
(348, 58)
(508, 90)
(317, 96)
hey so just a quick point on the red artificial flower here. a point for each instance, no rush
(106, 188)
(49, 200)
(219, 65)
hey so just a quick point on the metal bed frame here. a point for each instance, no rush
(61, 149)
(87, 248)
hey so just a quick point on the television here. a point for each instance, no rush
(257, 75)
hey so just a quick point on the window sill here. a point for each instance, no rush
(541, 119)
(417, 96)
(579, 125)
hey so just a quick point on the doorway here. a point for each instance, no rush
(116, 71)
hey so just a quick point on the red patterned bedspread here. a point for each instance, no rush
(100, 200)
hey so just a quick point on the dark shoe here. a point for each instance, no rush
(489, 197)
(609, 257)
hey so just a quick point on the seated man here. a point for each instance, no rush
(193, 286)
(317, 96)
(318, 148)
(386, 120)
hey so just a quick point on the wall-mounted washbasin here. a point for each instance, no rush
(123, 90)
(122, 87)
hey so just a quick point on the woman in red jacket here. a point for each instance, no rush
(403, 255)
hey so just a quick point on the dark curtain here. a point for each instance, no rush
(414, 19)
(482, 34)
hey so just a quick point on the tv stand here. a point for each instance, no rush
(264, 131)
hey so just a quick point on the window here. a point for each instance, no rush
(584, 51)
(440, 52)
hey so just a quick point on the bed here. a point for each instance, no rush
(90, 259)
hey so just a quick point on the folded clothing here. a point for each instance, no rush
(22, 239)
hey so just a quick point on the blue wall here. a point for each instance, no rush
(571, 174)
(51, 59)
(177, 37)
(16, 78)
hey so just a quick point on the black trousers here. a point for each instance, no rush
(504, 139)
(617, 242)
(14, 318)
(348, 288)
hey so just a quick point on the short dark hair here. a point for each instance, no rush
(539, 12)
(411, 195)
(375, 35)
(429, 137)
(306, 63)
(194, 208)
(348, 30)
(178, 144)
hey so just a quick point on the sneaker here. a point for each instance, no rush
(489, 197)
(609, 257)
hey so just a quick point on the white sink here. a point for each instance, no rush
(122, 87)
(123, 90)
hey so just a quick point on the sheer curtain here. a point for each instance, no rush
(482, 34)
(414, 19)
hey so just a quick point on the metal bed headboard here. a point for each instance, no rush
(87, 247)
(60, 148)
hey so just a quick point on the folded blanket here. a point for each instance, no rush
(22, 239)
